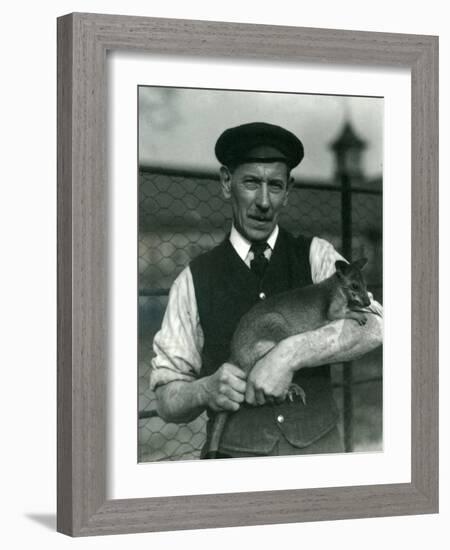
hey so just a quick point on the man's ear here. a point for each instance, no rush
(290, 183)
(225, 182)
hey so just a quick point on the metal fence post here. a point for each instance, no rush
(347, 149)
(347, 372)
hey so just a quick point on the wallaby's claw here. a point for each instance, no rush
(358, 316)
(296, 391)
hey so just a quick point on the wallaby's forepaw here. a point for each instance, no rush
(359, 317)
(296, 391)
(362, 320)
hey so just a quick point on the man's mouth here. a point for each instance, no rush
(261, 219)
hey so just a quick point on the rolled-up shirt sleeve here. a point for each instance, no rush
(178, 344)
(322, 257)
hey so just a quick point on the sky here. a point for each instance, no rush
(178, 127)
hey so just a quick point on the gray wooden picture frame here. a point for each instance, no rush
(83, 42)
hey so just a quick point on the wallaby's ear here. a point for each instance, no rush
(341, 267)
(359, 264)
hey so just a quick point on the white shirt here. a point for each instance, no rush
(178, 344)
(242, 245)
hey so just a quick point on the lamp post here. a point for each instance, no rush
(348, 148)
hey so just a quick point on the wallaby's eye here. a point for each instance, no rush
(354, 286)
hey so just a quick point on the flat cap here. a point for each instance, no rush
(258, 142)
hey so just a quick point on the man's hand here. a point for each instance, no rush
(225, 389)
(268, 381)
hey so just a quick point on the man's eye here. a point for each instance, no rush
(251, 184)
(276, 187)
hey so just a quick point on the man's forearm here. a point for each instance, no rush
(337, 342)
(180, 401)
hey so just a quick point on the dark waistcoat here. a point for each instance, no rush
(225, 289)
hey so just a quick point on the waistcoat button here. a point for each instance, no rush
(280, 419)
(262, 296)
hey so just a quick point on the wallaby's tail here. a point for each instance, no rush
(216, 433)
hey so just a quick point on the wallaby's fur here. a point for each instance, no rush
(341, 296)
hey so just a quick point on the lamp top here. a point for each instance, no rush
(347, 139)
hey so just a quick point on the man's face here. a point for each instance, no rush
(258, 191)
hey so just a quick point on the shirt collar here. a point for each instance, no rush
(242, 245)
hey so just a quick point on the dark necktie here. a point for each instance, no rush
(259, 263)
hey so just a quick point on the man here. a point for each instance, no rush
(190, 372)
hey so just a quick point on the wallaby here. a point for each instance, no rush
(341, 296)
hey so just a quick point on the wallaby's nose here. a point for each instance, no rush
(366, 301)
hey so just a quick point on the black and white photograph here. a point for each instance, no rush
(221, 226)
(260, 274)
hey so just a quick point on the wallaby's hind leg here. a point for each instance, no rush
(272, 327)
(246, 351)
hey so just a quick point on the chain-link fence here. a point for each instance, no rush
(183, 214)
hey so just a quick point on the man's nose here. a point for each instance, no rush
(262, 199)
